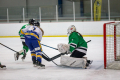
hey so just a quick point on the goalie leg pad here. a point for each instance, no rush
(73, 62)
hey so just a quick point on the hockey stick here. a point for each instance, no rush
(16, 57)
(49, 46)
(8, 47)
(56, 48)
(88, 41)
(51, 60)
(41, 44)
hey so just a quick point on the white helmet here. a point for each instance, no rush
(71, 29)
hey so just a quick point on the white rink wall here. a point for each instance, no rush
(55, 28)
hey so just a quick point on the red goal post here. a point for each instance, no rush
(111, 40)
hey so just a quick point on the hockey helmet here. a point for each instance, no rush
(37, 23)
(71, 29)
(31, 21)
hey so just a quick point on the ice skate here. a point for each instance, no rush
(89, 61)
(24, 56)
(16, 56)
(88, 64)
(34, 62)
(2, 66)
(35, 65)
(40, 65)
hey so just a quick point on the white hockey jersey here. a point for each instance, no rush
(32, 32)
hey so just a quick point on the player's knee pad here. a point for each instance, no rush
(38, 49)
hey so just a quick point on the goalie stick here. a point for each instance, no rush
(88, 41)
(51, 60)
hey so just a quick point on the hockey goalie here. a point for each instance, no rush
(76, 47)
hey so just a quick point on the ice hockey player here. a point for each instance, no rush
(2, 66)
(33, 37)
(77, 47)
(25, 47)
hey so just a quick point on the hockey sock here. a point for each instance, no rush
(26, 49)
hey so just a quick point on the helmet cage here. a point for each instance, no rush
(71, 29)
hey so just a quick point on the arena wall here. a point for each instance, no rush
(56, 28)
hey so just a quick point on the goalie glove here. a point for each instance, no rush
(63, 48)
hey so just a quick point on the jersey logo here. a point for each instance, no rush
(34, 28)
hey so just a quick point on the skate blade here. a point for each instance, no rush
(39, 67)
(4, 68)
(23, 59)
(15, 57)
(91, 61)
(88, 67)
(34, 65)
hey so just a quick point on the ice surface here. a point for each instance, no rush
(19, 70)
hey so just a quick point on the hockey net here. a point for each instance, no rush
(111, 38)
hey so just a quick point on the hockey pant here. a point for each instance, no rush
(79, 52)
(35, 48)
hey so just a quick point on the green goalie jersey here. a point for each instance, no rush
(75, 41)
(24, 26)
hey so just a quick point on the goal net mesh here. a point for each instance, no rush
(111, 45)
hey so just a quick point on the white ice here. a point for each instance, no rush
(19, 70)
